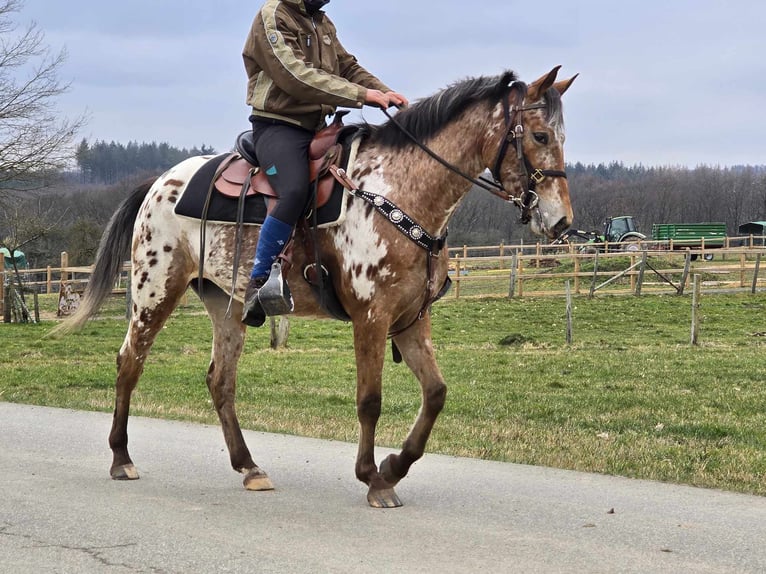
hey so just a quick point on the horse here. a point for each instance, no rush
(420, 163)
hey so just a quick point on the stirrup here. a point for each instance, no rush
(275, 296)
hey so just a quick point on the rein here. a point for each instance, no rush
(514, 123)
(494, 187)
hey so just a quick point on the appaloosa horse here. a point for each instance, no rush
(414, 169)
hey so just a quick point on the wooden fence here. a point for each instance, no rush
(648, 267)
(533, 270)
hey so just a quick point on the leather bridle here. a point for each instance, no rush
(514, 134)
(514, 122)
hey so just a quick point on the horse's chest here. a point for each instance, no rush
(363, 252)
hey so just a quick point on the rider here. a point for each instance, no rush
(298, 72)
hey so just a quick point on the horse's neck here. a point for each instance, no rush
(425, 189)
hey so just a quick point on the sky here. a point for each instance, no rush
(662, 82)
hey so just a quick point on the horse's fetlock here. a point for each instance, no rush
(365, 473)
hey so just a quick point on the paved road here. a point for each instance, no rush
(60, 512)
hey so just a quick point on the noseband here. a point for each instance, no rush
(514, 124)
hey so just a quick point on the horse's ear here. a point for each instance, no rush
(563, 85)
(541, 85)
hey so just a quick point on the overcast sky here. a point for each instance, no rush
(662, 82)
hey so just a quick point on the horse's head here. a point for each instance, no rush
(529, 161)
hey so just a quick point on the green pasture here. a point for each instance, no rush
(629, 397)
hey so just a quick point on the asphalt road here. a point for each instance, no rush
(60, 511)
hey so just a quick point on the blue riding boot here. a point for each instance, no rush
(267, 292)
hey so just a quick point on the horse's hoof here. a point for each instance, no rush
(386, 473)
(124, 472)
(256, 479)
(383, 498)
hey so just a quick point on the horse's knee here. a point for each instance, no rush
(435, 398)
(368, 407)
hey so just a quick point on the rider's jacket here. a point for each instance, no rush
(297, 69)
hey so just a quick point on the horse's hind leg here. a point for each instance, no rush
(146, 322)
(228, 341)
(417, 351)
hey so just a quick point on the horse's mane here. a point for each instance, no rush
(426, 117)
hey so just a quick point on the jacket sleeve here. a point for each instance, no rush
(277, 48)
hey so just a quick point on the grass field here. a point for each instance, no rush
(629, 397)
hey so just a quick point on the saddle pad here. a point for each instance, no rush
(223, 209)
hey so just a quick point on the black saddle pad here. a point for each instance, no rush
(223, 209)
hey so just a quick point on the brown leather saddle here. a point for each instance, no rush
(241, 171)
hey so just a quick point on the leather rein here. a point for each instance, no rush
(514, 132)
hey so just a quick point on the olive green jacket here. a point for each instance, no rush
(297, 69)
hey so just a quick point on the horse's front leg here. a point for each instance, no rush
(369, 347)
(418, 352)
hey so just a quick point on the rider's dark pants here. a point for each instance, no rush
(283, 151)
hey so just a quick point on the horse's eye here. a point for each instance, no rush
(541, 137)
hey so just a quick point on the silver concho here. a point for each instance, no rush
(379, 200)
(396, 215)
(416, 232)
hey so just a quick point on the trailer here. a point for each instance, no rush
(690, 235)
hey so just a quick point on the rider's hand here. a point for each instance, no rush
(397, 99)
(384, 100)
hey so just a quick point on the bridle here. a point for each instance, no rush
(514, 131)
(514, 122)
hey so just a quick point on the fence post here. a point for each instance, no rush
(502, 252)
(514, 263)
(63, 274)
(755, 272)
(595, 272)
(633, 273)
(36, 303)
(576, 272)
(641, 270)
(695, 309)
(569, 314)
(685, 274)
(280, 329)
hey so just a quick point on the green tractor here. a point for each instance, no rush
(621, 230)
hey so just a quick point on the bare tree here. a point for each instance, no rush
(34, 140)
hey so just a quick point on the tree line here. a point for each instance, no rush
(109, 163)
(732, 195)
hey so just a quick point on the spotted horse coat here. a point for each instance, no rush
(380, 275)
